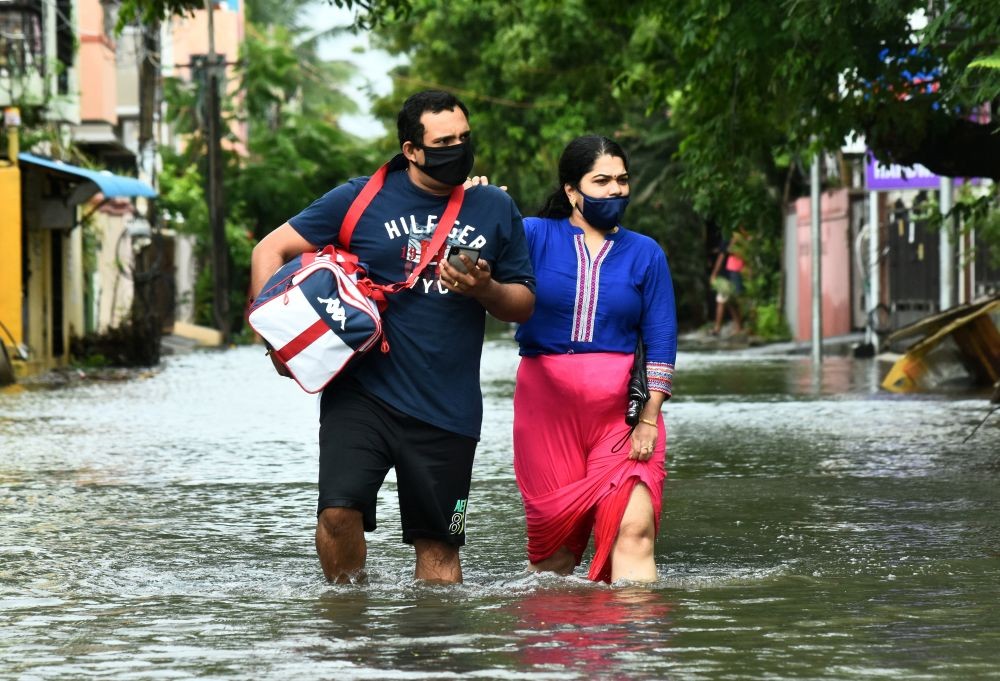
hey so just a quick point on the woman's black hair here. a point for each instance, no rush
(578, 159)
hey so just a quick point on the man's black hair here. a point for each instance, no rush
(408, 125)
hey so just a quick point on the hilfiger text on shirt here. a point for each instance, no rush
(462, 235)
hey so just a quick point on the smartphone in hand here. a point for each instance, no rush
(455, 261)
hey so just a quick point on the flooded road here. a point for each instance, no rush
(814, 527)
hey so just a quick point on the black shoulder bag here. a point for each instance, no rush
(638, 392)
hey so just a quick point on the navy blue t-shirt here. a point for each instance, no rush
(435, 337)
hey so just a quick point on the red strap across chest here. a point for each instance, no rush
(362, 201)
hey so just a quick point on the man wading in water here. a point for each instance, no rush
(417, 408)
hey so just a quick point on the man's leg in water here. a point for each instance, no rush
(340, 543)
(437, 562)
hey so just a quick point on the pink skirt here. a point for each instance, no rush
(569, 412)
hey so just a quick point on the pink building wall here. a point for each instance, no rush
(189, 35)
(835, 264)
(98, 71)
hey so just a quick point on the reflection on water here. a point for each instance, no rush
(591, 630)
(814, 527)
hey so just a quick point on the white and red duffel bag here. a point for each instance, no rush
(316, 318)
(320, 311)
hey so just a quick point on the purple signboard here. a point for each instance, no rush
(880, 177)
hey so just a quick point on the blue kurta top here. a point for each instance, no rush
(600, 304)
(435, 337)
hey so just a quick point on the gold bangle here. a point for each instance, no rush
(651, 423)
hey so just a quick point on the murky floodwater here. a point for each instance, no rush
(814, 528)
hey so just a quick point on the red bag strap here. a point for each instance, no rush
(364, 198)
(360, 203)
(437, 241)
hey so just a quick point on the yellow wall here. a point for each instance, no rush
(10, 253)
(39, 331)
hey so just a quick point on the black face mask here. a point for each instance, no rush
(449, 165)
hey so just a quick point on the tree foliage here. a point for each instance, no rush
(369, 12)
(270, 13)
(288, 101)
(722, 104)
(528, 86)
(756, 82)
(296, 150)
(540, 74)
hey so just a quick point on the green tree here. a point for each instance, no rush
(530, 88)
(270, 13)
(263, 11)
(289, 101)
(296, 152)
(535, 75)
(755, 84)
(722, 104)
(756, 87)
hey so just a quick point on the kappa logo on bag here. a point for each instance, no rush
(335, 310)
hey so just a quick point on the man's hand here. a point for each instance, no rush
(474, 284)
(510, 302)
(279, 366)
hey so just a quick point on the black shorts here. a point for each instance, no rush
(361, 438)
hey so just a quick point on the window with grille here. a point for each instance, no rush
(22, 49)
(65, 43)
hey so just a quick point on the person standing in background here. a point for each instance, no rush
(727, 282)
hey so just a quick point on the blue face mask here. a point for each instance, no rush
(603, 214)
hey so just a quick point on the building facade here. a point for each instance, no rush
(74, 201)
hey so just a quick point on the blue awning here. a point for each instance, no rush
(111, 185)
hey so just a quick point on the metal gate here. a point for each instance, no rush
(987, 275)
(914, 267)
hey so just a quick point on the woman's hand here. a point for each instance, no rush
(480, 180)
(643, 441)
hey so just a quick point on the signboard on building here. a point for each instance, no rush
(885, 177)
(882, 177)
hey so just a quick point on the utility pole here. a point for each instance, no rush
(946, 253)
(146, 319)
(149, 77)
(216, 207)
(874, 282)
(815, 216)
